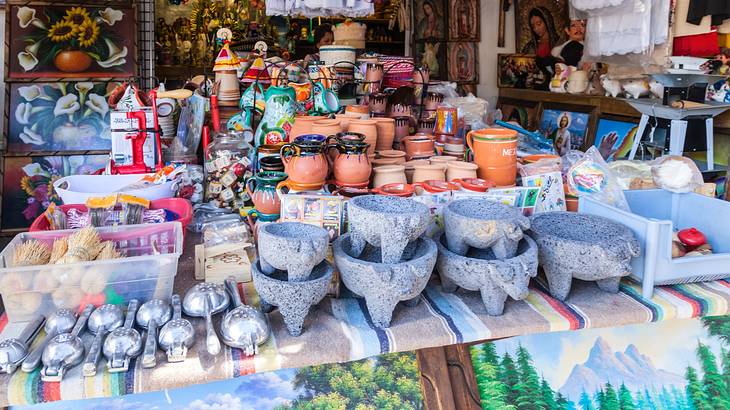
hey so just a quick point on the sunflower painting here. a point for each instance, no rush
(71, 42)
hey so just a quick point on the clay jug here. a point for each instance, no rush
(399, 156)
(386, 133)
(368, 128)
(262, 190)
(306, 165)
(326, 127)
(427, 172)
(278, 116)
(303, 125)
(402, 129)
(388, 174)
(418, 146)
(377, 103)
(460, 170)
(351, 164)
(495, 152)
(258, 219)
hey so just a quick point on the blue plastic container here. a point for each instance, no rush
(655, 214)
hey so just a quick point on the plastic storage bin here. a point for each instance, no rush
(147, 271)
(654, 216)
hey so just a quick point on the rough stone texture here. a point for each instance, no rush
(582, 246)
(384, 285)
(293, 247)
(294, 299)
(387, 222)
(495, 279)
(484, 224)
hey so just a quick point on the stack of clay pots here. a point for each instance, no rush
(291, 272)
(483, 249)
(384, 258)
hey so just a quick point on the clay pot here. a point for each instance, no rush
(436, 187)
(456, 150)
(262, 190)
(303, 125)
(377, 103)
(378, 162)
(426, 126)
(571, 203)
(441, 159)
(368, 128)
(357, 109)
(427, 172)
(495, 151)
(402, 129)
(327, 127)
(72, 61)
(351, 165)
(400, 110)
(374, 72)
(346, 117)
(306, 165)
(418, 146)
(397, 189)
(411, 167)
(399, 156)
(474, 184)
(388, 174)
(271, 163)
(433, 99)
(461, 169)
(386, 133)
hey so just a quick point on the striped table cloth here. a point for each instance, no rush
(340, 330)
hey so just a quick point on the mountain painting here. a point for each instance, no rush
(677, 364)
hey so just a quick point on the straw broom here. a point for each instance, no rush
(84, 245)
(60, 247)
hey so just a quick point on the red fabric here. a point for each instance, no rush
(544, 49)
(698, 45)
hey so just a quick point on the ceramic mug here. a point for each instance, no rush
(577, 82)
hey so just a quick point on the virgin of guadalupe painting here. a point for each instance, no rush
(464, 20)
(539, 25)
(429, 18)
(462, 62)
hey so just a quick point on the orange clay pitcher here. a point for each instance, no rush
(495, 152)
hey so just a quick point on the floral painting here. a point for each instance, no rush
(64, 41)
(59, 117)
(28, 184)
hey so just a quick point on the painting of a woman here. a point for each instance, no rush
(544, 35)
(429, 19)
(539, 26)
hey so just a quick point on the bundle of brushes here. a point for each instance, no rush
(83, 245)
(31, 253)
(108, 251)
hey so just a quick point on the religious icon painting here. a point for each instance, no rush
(428, 16)
(540, 25)
(433, 56)
(463, 20)
(462, 62)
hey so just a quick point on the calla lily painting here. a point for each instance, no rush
(59, 117)
(71, 42)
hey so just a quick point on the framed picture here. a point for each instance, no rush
(429, 17)
(465, 89)
(59, 116)
(614, 137)
(540, 25)
(522, 112)
(432, 55)
(463, 65)
(567, 128)
(28, 184)
(520, 71)
(463, 20)
(56, 41)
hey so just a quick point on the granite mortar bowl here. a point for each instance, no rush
(484, 224)
(293, 247)
(385, 221)
(294, 299)
(480, 270)
(586, 247)
(383, 285)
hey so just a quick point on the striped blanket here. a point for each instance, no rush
(340, 330)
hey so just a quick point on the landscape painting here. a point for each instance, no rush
(679, 364)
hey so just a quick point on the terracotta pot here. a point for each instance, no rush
(436, 187)
(72, 61)
(400, 156)
(418, 146)
(262, 189)
(351, 165)
(411, 167)
(400, 110)
(368, 128)
(495, 151)
(373, 72)
(271, 163)
(357, 109)
(303, 125)
(441, 159)
(377, 103)
(402, 129)
(388, 174)
(433, 99)
(426, 126)
(429, 172)
(306, 165)
(474, 184)
(453, 149)
(377, 162)
(327, 127)
(397, 189)
(461, 169)
(386, 133)
(346, 117)
(571, 203)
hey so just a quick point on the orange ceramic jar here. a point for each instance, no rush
(495, 152)
(306, 165)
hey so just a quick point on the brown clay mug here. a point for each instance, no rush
(262, 190)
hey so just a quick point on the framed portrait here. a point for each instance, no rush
(59, 116)
(568, 127)
(520, 71)
(540, 25)
(523, 113)
(429, 17)
(28, 184)
(463, 66)
(56, 41)
(432, 55)
(614, 136)
(463, 20)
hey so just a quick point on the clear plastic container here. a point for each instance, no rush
(227, 167)
(147, 271)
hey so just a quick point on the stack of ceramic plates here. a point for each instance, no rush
(166, 108)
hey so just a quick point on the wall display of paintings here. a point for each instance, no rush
(614, 137)
(522, 112)
(56, 41)
(462, 62)
(540, 25)
(28, 184)
(463, 20)
(59, 116)
(520, 71)
(432, 55)
(567, 129)
(610, 368)
(430, 18)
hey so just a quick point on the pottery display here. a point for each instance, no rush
(278, 116)
(388, 174)
(418, 146)
(585, 247)
(351, 165)
(461, 169)
(345, 118)
(262, 190)
(386, 133)
(399, 156)
(383, 285)
(293, 299)
(377, 103)
(400, 111)
(433, 99)
(425, 172)
(306, 165)
(483, 224)
(479, 270)
(411, 167)
(402, 129)
(327, 127)
(495, 152)
(368, 128)
(293, 247)
(303, 125)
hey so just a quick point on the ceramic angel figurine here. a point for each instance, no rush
(562, 72)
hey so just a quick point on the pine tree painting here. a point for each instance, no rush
(655, 368)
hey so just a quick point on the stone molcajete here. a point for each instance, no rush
(483, 224)
(383, 285)
(585, 247)
(495, 279)
(293, 247)
(387, 222)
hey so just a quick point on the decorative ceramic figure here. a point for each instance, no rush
(612, 87)
(226, 74)
(636, 88)
(278, 116)
(577, 82)
(657, 89)
(562, 72)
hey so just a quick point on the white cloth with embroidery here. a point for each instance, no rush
(317, 8)
(634, 31)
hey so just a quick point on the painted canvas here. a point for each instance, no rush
(28, 184)
(56, 41)
(525, 116)
(566, 129)
(390, 381)
(432, 55)
(429, 17)
(675, 364)
(614, 138)
(520, 71)
(59, 117)
(539, 25)
(462, 62)
(463, 20)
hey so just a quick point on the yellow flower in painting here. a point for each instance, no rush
(88, 33)
(26, 185)
(76, 15)
(61, 31)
